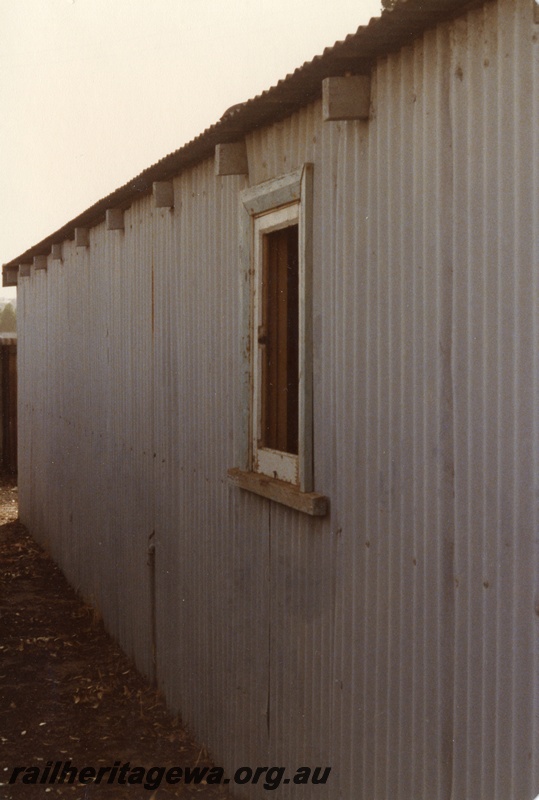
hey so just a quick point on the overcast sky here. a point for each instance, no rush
(94, 91)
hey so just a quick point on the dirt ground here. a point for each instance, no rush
(67, 692)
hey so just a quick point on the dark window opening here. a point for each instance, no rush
(278, 339)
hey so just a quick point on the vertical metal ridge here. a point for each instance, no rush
(534, 204)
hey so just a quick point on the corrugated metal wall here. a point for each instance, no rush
(397, 639)
(8, 402)
(87, 428)
(496, 231)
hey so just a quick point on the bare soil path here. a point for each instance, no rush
(67, 692)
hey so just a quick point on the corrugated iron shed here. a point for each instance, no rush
(396, 638)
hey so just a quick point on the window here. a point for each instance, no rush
(277, 235)
(278, 336)
(275, 385)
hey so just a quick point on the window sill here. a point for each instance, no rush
(316, 505)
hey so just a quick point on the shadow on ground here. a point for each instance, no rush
(68, 693)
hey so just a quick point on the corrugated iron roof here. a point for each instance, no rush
(356, 54)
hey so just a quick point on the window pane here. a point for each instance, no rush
(278, 340)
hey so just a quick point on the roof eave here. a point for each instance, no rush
(356, 55)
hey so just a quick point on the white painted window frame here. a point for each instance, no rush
(275, 204)
(281, 465)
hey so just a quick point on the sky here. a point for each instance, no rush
(94, 91)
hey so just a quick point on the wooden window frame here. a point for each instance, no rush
(284, 477)
(275, 463)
